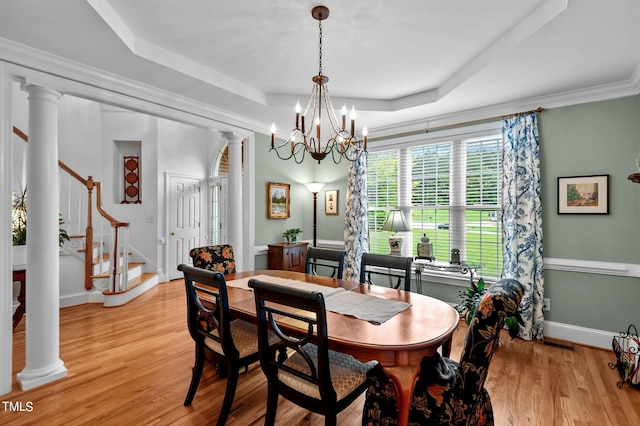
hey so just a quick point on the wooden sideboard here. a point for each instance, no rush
(288, 256)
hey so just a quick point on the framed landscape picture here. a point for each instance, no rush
(278, 200)
(583, 194)
(331, 202)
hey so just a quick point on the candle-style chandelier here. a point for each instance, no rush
(342, 141)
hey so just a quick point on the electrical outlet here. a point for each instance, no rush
(546, 306)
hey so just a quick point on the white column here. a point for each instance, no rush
(6, 323)
(234, 213)
(43, 278)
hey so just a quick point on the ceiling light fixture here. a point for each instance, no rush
(342, 142)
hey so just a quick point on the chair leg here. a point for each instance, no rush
(229, 394)
(196, 374)
(330, 419)
(272, 405)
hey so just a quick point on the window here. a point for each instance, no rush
(449, 189)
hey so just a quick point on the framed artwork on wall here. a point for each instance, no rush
(331, 202)
(278, 200)
(583, 194)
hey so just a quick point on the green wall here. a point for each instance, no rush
(587, 139)
(269, 168)
(594, 138)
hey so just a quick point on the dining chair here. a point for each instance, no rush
(217, 258)
(448, 392)
(394, 267)
(312, 376)
(325, 258)
(233, 344)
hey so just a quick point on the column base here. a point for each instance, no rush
(31, 379)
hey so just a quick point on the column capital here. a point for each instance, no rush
(232, 138)
(42, 92)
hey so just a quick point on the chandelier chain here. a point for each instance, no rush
(320, 47)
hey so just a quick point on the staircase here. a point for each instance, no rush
(96, 273)
(138, 281)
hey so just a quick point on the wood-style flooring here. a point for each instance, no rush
(131, 365)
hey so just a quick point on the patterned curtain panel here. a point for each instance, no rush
(356, 223)
(522, 218)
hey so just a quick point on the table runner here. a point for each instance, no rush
(366, 307)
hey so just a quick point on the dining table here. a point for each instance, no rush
(398, 343)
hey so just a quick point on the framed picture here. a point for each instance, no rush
(331, 202)
(583, 194)
(278, 200)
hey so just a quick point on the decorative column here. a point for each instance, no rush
(43, 263)
(235, 212)
(6, 169)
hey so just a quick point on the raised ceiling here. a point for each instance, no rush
(399, 62)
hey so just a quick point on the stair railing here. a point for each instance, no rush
(118, 245)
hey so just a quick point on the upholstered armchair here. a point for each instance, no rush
(447, 392)
(214, 258)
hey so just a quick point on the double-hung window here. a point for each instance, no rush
(448, 186)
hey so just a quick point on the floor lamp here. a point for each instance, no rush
(315, 187)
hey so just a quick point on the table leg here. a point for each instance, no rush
(404, 378)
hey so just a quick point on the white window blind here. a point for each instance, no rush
(454, 198)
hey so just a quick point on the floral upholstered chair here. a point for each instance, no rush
(214, 258)
(447, 392)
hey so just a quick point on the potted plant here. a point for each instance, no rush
(19, 220)
(470, 298)
(292, 234)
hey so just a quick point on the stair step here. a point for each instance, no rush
(145, 282)
(84, 248)
(133, 283)
(106, 274)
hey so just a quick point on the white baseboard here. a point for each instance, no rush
(81, 298)
(580, 335)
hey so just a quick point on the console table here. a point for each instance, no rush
(464, 267)
(19, 274)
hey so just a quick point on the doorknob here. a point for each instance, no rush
(173, 233)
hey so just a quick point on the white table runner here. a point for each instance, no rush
(366, 307)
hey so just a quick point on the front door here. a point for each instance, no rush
(184, 220)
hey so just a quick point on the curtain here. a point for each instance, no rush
(356, 218)
(522, 218)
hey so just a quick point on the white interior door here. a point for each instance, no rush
(184, 220)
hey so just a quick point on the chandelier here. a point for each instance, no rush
(341, 142)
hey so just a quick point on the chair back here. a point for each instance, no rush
(305, 309)
(217, 258)
(325, 258)
(501, 300)
(213, 319)
(395, 267)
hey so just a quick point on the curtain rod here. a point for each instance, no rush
(462, 123)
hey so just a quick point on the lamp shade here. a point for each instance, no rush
(314, 187)
(396, 222)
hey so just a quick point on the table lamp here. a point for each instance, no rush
(396, 222)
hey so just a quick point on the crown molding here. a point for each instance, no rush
(73, 78)
(629, 87)
(84, 81)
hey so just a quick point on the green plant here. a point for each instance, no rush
(469, 300)
(19, 217)
(19, 220)
(291, 233)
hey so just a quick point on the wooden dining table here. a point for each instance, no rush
(398, 344)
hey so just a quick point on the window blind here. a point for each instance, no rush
(453, 197)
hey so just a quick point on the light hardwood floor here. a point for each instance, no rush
(131, 365)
